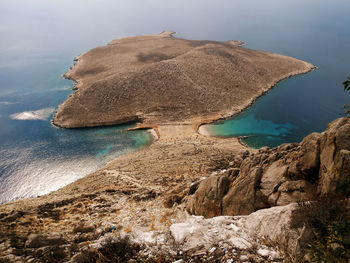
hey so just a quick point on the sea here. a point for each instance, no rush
(39, 40)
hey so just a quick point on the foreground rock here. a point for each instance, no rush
(139, 192)
(226, 239)
(318, 166)
(157, 79)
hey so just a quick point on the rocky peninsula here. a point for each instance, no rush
(160, 79)
(186, 197)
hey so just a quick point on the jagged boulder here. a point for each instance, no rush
(208, 198)
(273, 177)
(290, 191)
(305, 161)
(244, 196)
(319, 165)
(263, 236)
(278, 225)
(335, 158)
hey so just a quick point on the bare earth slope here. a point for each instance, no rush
(158, 79)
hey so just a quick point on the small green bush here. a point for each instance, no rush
(330, 247)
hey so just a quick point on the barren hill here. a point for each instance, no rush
(159, 78)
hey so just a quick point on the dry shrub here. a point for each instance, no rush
(49, 211)
(51, 254)
(114, 250)
(328, 221)
(320, 213)
(83, 229)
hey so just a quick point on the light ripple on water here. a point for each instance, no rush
(44, 176)
(42, 114)
(6, 103)
(25, 176)
(43, 166)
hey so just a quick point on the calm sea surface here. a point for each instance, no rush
(40, 38)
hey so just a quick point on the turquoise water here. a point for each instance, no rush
(37, 157)
(40, 38)
(315, 31)
(290, 111)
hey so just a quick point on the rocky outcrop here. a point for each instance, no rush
(335, 158)
(318, 166)
(268, 235)
(231, 239)
(209, 194)
(277, 225)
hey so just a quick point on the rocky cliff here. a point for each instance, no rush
(318, 166)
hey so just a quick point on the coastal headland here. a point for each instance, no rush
(160, 79)
(163, 83)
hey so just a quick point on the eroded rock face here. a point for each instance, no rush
(210, 193)
(319, 165)
(277, 224)
(245, 185)
(262, 236)
(335, 158)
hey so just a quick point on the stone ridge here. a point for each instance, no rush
(318, 166)
(158, 79)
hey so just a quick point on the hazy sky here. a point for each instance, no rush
(39, 29)
(89, 22)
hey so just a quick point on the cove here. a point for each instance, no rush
(290, 111)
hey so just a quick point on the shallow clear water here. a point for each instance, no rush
(37, 157)
(318, 33)
(293, 109)
(39, 39)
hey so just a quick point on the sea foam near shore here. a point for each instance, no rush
(42, 114)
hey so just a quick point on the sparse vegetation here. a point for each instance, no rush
(51, 254)
(83, 229)
(48, 211)
(113, 250)
(331, 246)
(327, 218)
